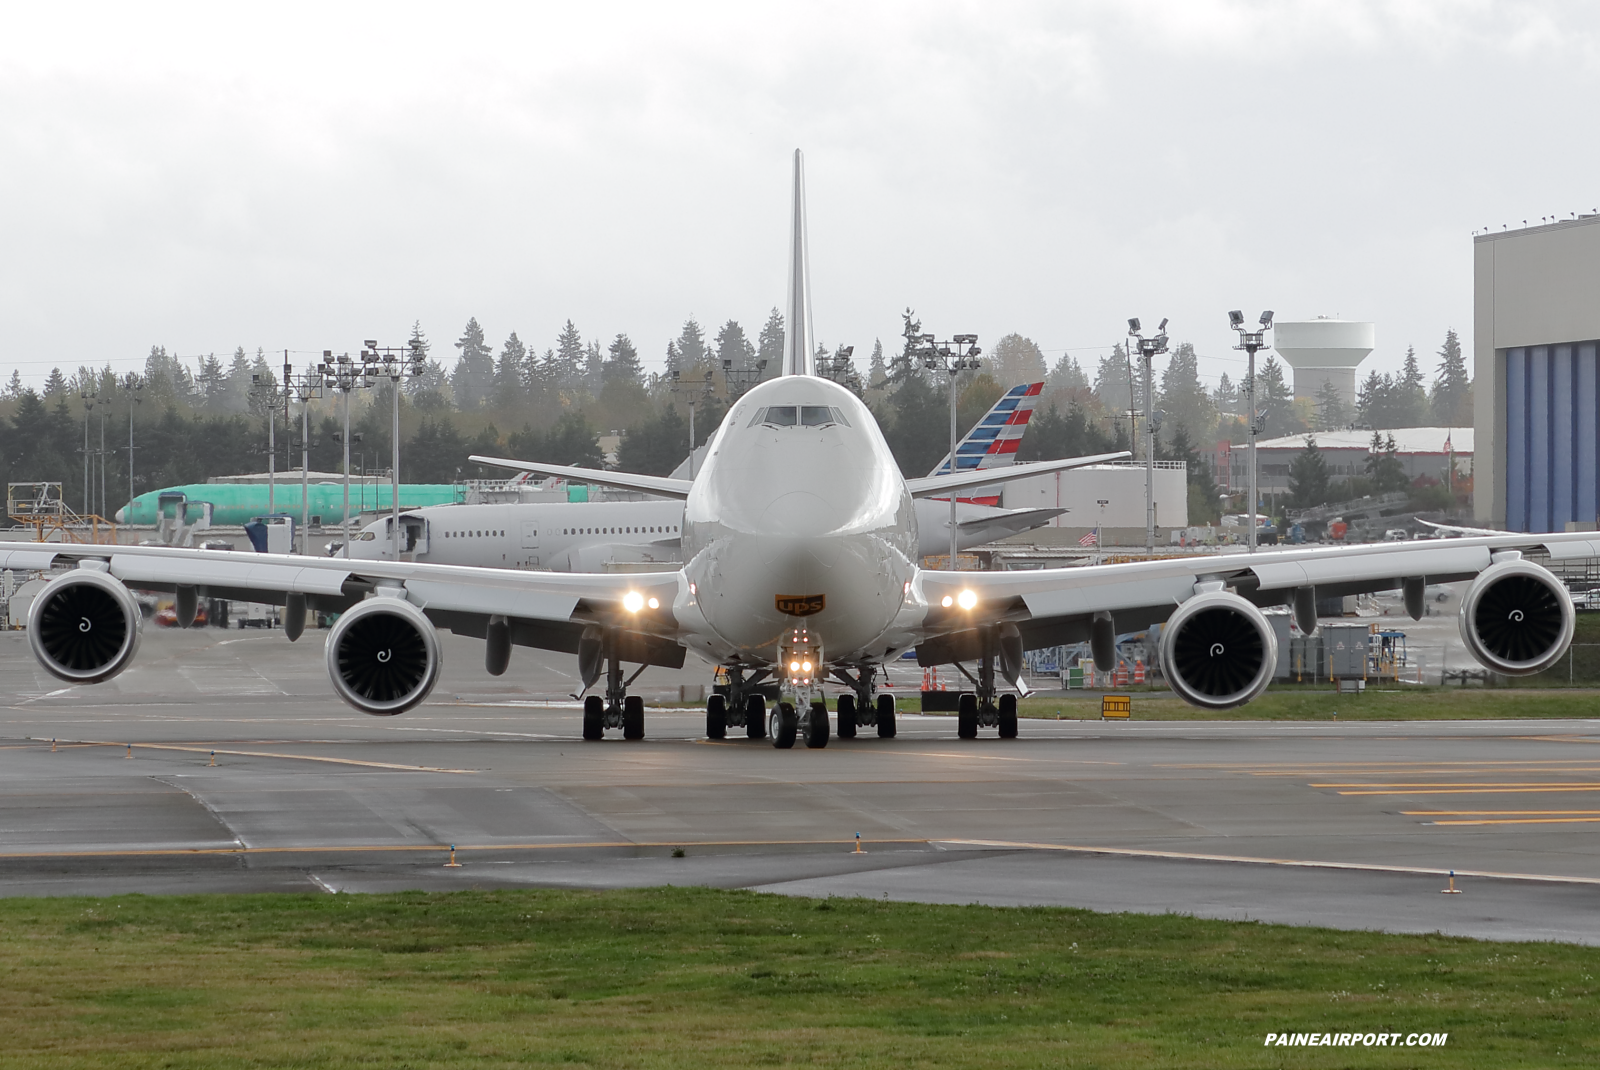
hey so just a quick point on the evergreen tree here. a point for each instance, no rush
(1383, 465)
(237, 392)
(212, 380)
(691, 345)
(1226, 397)
(1114, 386)
(769, 346)
(919, 432)
(1053, 434)
(877, 370)
(510, 375)
(655, 446)
(1184, 398)
(14, 387)
(1452, 390)
(1203, 507)
(593, 367)
(427, 390)
(55, 385)
(907, 364)
(473, 377)
(1015, 359)
(733, 348)
(437, 453)
(1275, 401)
(1411, 393)
(622, 363)
(1308, 476)
(570, 356)
(1067, 374)
(1331, 412)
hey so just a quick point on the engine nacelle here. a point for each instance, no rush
(1218, 651)
(1517, 618)
(84, 627)
(383, 656)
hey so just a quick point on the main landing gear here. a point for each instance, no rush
(618, 709)
(983, 710)
(859, 710)
(742, 707)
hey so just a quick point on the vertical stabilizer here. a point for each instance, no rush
(799, 347)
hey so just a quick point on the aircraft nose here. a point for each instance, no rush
(117, 517)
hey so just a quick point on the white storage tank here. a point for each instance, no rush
(1324, 351)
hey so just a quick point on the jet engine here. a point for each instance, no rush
(84, 627)
(1218, 651)
(383, 656)
(1517, 618)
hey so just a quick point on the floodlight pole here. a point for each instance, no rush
(1250, 341)
(1149, 348)
(957, 355)
(694, 391)
(387, 361)
(135, 385)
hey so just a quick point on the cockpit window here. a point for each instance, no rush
(780, 416)
(816, 415)
(798, 416)
(837, 415)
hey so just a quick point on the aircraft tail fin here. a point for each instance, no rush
(993, 440)
(799, 349)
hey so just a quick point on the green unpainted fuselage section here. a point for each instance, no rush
(235, 504)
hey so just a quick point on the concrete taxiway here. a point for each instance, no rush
(1345, 824)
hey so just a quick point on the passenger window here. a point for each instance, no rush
(781, 416)
(816, 415)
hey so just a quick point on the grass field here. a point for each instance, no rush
(696, 978)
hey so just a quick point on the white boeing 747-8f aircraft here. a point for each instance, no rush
(799, 544)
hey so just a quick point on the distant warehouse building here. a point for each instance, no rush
(1422, 451)
(1102, 500)
(1536, 322)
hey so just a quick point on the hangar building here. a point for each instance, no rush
(1536, 324)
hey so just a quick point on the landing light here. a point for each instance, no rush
(794, 666)
(947, 601)
(633, 601)
(806, 665)
(967, 599)
(654, 603)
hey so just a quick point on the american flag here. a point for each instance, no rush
(1448, 447)
(1091, 538)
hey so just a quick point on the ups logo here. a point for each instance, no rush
(801, 605)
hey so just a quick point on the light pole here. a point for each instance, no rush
(953, 357)
(1250, 341)
(344, 375)
(88, 407)
(268, 394)
(1149, 348)
(306, 386)
(135, 387)
(396, 364)
(694, 390)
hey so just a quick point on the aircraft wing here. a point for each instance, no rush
(549, 610)
(662, 485)
(1002, 522)
(927, 486)
(1054, 606)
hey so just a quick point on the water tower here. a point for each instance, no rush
(1324, 351)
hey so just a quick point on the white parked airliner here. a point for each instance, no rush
(799, 541)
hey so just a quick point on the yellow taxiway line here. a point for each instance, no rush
(267, 754)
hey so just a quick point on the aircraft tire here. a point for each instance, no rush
(1008, 717)
(817, 726)
(785, 725)
(886, 724)
(716, 717)
(594, 711)
(755, 717)
(633, 717)
(847, 717)
(967, 716)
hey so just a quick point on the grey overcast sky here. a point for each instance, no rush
(304, 176)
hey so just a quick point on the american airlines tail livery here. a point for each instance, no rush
(800, 565)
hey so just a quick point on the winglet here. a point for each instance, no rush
(799, 356)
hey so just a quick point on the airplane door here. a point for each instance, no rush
(530, 534)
